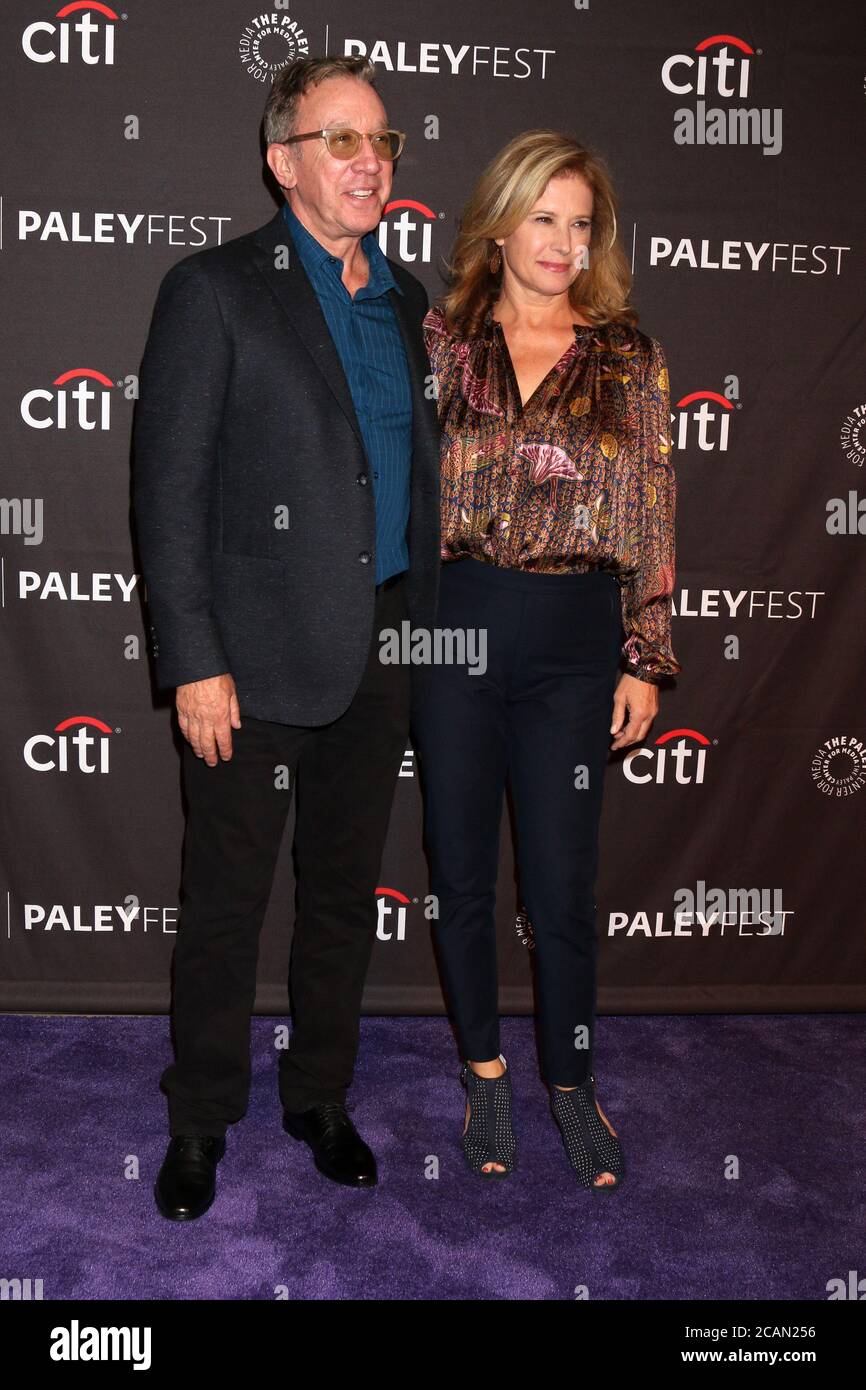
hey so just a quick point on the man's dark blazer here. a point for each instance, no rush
(245, 421)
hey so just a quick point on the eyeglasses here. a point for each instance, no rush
(344, 143)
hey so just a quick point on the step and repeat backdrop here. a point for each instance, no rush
(731, 847)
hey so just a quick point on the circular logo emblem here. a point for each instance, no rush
(839, 766)
(852, 436)
(523, 927)
(269, 42)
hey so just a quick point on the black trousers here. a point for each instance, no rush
(540, 714)
(345, 774)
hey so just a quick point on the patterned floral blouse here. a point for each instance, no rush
(580, 477)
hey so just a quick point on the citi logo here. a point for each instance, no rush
(680, 754)
(85, 750)
(411, 229)
(704, 419)
(86, 38)
(721, 74)
(391, 921)
(81, 404)
(719, 68)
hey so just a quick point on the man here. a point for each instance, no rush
(286, 499)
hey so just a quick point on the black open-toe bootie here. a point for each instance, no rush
(489, 1137)
(591, 1148)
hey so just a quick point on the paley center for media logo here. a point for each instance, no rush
(81, 32)
(839, 765)
(846, 516)
(269, 41)
(716, 75)
(77, 744)
(852, 436)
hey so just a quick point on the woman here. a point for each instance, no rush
(557, 533)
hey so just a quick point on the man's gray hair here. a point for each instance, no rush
(294, 79)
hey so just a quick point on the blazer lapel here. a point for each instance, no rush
(292, 287)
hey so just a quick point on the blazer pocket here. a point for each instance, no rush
(250, 609)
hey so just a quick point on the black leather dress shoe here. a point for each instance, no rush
(186, 1184)
(338, 1149)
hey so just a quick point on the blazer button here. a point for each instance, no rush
(364, 557)
(362, 479)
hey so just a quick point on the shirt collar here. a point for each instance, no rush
(315, 256)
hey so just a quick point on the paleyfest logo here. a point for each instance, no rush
(81, 32)
(270, 41)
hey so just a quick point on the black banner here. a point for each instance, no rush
(729, 838)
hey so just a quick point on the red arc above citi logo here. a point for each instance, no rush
(391, 921)
(697, 70)
(722, 76)
(413, 225)
(57, 413)
(87, 38)
(85, 750)
(683, 749)
(712, 426)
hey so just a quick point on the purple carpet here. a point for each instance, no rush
(783, 1095)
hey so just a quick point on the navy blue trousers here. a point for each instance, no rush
(540, 716)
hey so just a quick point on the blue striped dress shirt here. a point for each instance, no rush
(368, 340)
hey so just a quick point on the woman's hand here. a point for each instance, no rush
(640, 699)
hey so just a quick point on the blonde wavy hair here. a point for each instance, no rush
(507, 190)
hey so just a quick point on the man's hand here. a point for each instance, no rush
(207, 711)
(641, 699)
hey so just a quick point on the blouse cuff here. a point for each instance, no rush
(655, 668)
(641, 674)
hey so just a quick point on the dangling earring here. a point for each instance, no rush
(613, 238)
(495, 262)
